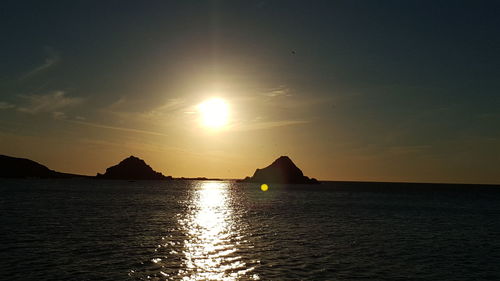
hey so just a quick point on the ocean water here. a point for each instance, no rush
(222, 230)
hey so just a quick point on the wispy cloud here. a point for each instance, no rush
(182, 112)
(128, 107)
(52, 59)
(165, 113)
(280, 91)
(169, 107)
(52, 102)
(123, 129)
(267, 125)
(6, 105)
(284, 96)
(409, 149)
(59, 115)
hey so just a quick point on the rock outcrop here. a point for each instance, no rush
(132, 168)
(12, 167)
(282, 170)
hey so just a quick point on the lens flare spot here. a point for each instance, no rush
(264, 187)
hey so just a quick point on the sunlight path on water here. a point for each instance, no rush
(211, 246)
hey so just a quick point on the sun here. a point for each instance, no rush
(214, 113)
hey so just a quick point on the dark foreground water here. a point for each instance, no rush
(195, 230)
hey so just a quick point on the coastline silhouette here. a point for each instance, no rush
(282, 170)
(13, 167)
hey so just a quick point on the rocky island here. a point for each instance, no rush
(12, 167)
(282, 170)
(132, 168)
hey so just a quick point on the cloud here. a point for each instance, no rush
(53, 102)
(409, 149)
(281, 91)
(169, 107)
(125, 106)
(123, 129)
(274, 112)
(267, 125)
(52, 59)
(59, 115)
(170, 111)
(6, 105)
(285, 97)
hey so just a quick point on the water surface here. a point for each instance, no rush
(211, 230)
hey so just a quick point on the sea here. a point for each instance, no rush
(85, 229)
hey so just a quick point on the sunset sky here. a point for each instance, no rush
(350, 90)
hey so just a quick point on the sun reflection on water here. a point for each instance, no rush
(211, 246)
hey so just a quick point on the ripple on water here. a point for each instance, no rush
(192, 230)
(207, 240)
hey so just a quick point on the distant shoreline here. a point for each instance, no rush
(21, 168)
(338, 185)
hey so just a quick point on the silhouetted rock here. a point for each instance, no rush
(12, 167)
(282, 170)
(132, 168)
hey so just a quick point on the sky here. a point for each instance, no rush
(350, 90)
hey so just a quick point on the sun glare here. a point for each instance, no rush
(214, 113)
